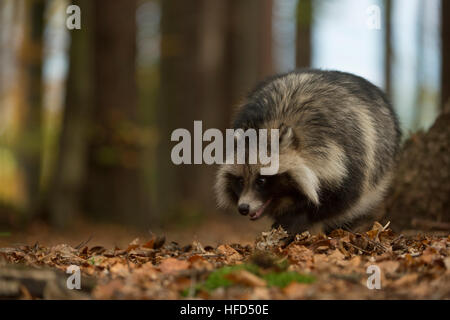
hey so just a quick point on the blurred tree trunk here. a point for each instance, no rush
(250, 45)
(114, 187)
(445, 38)
(265, 23)
(192, 88)
(179, 99)
(30, 144)
(304, 36)
(418, 110)
(67, 184)
(388, 47)
(213, 51)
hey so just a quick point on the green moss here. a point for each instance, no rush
(282, 264)
(185, 292)
(267, 260)
(218, 279)
(282, 279)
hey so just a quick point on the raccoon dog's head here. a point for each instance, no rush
(293, 187)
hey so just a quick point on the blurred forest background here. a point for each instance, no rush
(86, 115)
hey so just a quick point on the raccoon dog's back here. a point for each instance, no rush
(345, 136)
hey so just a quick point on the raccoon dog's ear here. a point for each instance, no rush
(287, 137)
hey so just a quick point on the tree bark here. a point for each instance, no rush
(421, 186)
(66, 187)
(30, 143)
(250, 45)
(388, 47)
(304, 37)
(114, 186)
(192, 83)
(213, 51)
(445, 38)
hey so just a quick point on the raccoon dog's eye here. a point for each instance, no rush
(261, 181)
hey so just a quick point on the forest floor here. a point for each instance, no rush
(225, 258)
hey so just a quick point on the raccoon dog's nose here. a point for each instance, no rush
(244, 209)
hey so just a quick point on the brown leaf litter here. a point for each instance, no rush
(412, 267)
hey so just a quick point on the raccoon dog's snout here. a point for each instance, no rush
(339, 137)
(244, 209)
(255, 210)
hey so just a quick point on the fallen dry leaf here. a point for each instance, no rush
(231, 255)
(246, 278)
(270, 239)
(299, 253)
(447, 263)
(412, 266)
(389, 267)
(407, 280)
(172, 265)
(295, 290)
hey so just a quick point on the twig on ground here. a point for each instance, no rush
(83, 243)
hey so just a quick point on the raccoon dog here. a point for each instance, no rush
(338, 140)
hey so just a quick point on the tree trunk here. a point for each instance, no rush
(421, 187)
(388, 47)
(212, 53)
(445, 38)
(265, 23)
(304, 37)
(67, 184)
(30, 143)
(114, 186)
(250, 45)
(193, 46)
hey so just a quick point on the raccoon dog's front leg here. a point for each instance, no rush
(293, 223)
